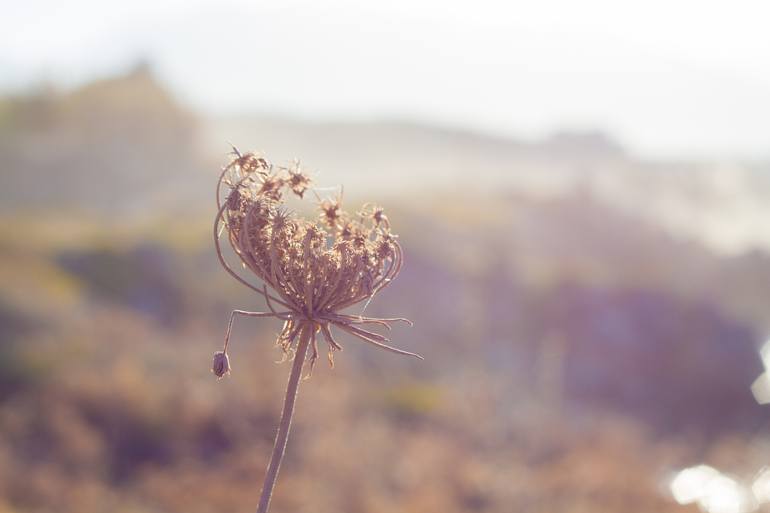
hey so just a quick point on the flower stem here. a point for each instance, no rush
(283, 429)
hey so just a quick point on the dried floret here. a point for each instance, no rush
(298, 181)
(331, 212)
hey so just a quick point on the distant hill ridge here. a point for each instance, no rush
(123, 146)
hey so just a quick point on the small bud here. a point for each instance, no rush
(221, 366)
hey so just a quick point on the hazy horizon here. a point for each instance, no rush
(667, 82)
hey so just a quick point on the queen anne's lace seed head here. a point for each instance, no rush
(311, 270)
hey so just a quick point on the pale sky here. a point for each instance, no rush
(668, 78)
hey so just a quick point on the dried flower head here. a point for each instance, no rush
(331, 212)
(298, 181)
(377, 214)
(312, 271)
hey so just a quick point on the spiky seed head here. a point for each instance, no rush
(250, 163)
(330, 212)
(271, 187)
(298, 181)
(316, 268)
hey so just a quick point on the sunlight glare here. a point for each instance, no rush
(713, 491)
(761, 486)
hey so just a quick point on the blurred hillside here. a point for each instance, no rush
(724, 205)
(589, 324)
(117, 146)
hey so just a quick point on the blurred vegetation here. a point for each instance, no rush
(576, 354)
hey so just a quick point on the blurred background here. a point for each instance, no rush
(582, 191)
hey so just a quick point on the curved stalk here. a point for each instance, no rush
(283, 429)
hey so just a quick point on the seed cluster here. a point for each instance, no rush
(312, 269)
